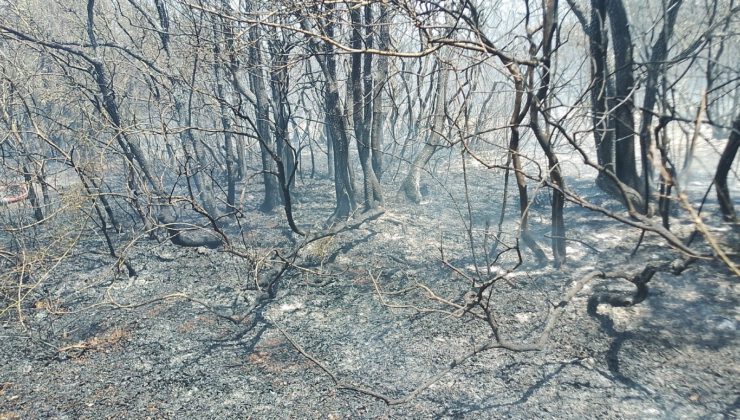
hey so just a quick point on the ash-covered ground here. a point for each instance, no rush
(197, 334)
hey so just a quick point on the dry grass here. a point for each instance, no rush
(101, 342)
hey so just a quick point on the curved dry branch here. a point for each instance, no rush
(497, 343)
(13, 193)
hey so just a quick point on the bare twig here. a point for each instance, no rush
(497, 343)
(171, 296)
(460, 309)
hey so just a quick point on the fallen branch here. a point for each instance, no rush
(13, 194)
(497, 343)
(336, 229)
(177, 295)
(108, 339)
(459, 312)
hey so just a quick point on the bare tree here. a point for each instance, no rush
(362, 102)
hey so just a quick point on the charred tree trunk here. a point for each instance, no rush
(624, 108)
(361, 86)
(279, 82)
(38, 214)
(381, 76)
(654, 68)
(262, 122)
(130, 147)
(232, 65)
(544, 138)
(329, 146)
(517, 116)
(336, 123)
(230, 158)
(28, 176)
(164, 25)
(603, 135)
(285, 155)
(343, 185)
(723, 168)
(410, 187)
(198, 165)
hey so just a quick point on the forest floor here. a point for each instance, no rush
(193, 335)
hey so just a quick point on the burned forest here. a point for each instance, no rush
(369, 209)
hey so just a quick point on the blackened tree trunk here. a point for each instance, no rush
(230, 158)
(21, 140)
(611, 100)
(603, 135)
(232, 64)
(343, 185)
(655, 68)
(623, 101)
(723, 169)
(285, 155)
(164, 24)
(329, 146)
(336, 126)
(517, 116)
(262, 122)
(279, 84)
(381, 76)
(197, 165)
(544, 138)
(361, 87)
(130, 147)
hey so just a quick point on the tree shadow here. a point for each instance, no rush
(688, 310)
(459, 409)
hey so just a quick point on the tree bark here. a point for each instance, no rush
(598, 45)
(654, 68)
(198, 165)
(336, 126)
(285, 155)
(623, 101)
(130, 148)
(271, 196)
(230, 159)
(723, 169)
(537, 107)
(410, 186)
(381, 76)
(517, 116)
(361, 87)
